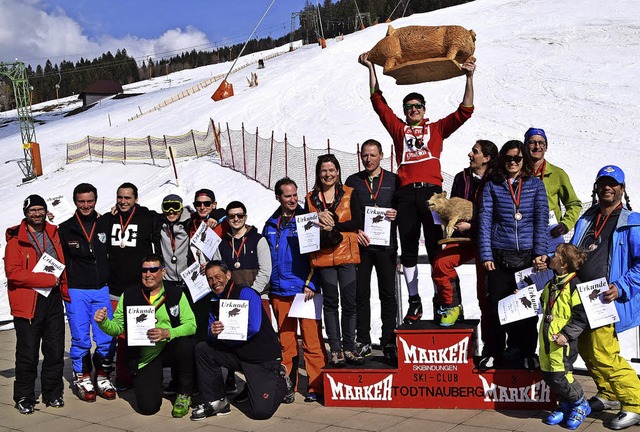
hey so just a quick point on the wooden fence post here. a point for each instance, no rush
(233, 161)
(286, 156)
(270, 160)
(255, 162)
(195, 147)
(153, 161)
(306, 174)
(244, 151)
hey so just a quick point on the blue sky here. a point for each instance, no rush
(36, 30)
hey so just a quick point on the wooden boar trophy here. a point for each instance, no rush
(416, 54)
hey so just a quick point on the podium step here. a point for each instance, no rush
(435, 370)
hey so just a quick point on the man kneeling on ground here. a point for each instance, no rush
(259, 357)
(172, 337)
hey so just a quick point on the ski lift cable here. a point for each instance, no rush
(394, 9)
(358, 11)
(405, 8)
(245, 44)
(320, 19)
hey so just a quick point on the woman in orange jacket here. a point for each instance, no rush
(339, 219)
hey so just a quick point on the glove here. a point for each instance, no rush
(559, 230)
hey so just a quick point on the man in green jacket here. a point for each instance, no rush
(171, 340)
(557, 184)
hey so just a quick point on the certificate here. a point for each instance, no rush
(206, 240)
(311, 309)
(47, 264)
(59, 206)
(521, 305)
(598, 312)
(196, 281)
(528, 276)
(308, 232)
(140, 319)
(234, 314)
(377, 226)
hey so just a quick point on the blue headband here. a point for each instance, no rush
(535, 131)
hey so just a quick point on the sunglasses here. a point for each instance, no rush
(516, 159)
(153, 270)
(408, 107)
(203, 203)
(236, 216)
(171, 206)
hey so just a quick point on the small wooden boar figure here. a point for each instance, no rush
(416, 54)
(451, 211)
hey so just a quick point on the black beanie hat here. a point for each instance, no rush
(32, 201)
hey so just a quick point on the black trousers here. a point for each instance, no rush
(178, 353)
(266, 387)
(413, 213)
(46, 331)
(521, 335)
(384, 261)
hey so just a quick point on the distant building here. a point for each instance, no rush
(99, 90)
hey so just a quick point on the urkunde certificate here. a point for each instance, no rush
(206, 240)
(47, 264)
(523, 304)
(196, 281)
(377, 226)
(234, 314)
(140, 319)
(598, 312)
(308, 232)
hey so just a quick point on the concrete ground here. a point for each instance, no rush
(118, 415)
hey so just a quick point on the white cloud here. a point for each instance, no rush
(172, 42)
(32, 35)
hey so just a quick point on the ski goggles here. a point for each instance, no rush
(171, 206)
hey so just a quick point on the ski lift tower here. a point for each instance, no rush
(360, 18)
(17, 73)
(309, 16)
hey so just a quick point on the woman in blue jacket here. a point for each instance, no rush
(513, 231)
(291, 275)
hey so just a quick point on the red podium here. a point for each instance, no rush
(435, 370)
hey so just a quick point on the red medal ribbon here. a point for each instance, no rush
(237, 252)
(164, 297)
(124, 226)
(516, 200)
(324, 202)
(374, 197)
(89, 236)
(599, 227)
(44, 241)
(563, 282)
(540, 170)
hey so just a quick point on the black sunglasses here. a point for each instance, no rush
(418, 106)
(516, 159)
(202, 203)
(151, 269)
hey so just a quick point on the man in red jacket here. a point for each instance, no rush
(38, 316)
(418, 143)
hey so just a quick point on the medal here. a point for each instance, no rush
(174, 259)
(592, 247)
(517, 216)
(548, 318)
(237, 265)
(122, 244)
